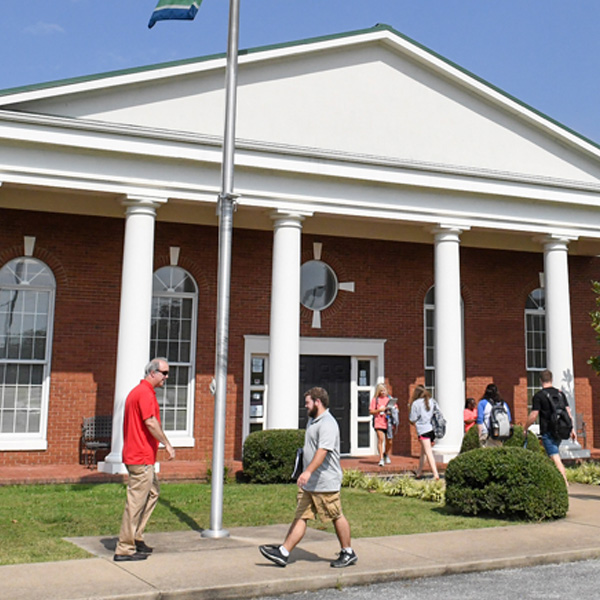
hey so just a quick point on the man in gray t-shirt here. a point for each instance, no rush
(318, 485)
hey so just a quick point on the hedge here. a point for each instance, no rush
(269, 455)
(506, 482)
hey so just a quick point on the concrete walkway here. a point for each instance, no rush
(185, 565)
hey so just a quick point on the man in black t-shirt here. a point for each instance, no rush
(541, 406)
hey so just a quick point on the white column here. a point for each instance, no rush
(284, 348)
(134, 317)
(449, 380)
(559, 343)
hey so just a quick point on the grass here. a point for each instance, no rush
(35, 518)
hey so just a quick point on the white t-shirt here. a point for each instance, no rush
(420, 416)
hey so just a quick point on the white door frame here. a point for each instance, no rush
(356, 348)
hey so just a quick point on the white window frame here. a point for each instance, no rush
(429, 366)
(185, 439)
(540, 311)
(38, 440)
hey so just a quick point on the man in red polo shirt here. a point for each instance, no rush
(142, 433)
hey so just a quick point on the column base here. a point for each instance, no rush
(112, 468)
(444, 454)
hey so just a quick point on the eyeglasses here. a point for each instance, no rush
(165, 373)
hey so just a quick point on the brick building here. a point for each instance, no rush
(435, 229)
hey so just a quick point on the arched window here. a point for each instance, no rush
(535, 340)
(173, 336)
(27, 290)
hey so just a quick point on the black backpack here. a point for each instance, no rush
(500, 428)
(560, 424)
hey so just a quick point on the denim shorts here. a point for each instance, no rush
(550, 444)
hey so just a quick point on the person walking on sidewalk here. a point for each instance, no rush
(318, 485)
(541, 406)
(142, 432)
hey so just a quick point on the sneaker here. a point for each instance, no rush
(129, 557)
(141, 546)
(344, 559)
(388, 460)
(381, 463)
(274, 555)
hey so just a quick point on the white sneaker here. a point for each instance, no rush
(381, 463)
(388, 460)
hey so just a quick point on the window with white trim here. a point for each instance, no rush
(535, 341)
(429, 339)
(27, 291)
(173, 336)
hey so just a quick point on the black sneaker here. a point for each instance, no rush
(143, 547)
(129, 557)
(344, 559)
(274, 555)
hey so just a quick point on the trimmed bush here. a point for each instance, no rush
(470, 440)
(269, 455)
(506, 482)
(517, 440)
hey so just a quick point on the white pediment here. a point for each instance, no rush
(372, 94)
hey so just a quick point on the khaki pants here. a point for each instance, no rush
(142, 496)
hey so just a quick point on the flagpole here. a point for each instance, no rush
(225, 210)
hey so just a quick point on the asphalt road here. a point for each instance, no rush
(575, 581)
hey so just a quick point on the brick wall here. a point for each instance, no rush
(391, 280)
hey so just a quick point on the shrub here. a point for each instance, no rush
(429, 491)
(517, 440)
(588, 473)
(506, 482)
(269, 455)
(470, 440)
(353, 478)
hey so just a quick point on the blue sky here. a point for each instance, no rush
(544, 52)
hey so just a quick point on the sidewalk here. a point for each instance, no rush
(186, 566)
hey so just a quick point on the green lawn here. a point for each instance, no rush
(34, 518)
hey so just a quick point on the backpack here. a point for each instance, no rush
(560, 424)
(500, 427)
(438, 422)
(394, 416)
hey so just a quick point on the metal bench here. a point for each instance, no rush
(96, 435)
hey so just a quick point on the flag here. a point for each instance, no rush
(174, 9)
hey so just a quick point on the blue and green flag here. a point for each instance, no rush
(174, 9)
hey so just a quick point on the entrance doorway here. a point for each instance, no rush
(334, 374)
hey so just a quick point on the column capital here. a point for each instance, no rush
(449, 232)
(289, 217)
(556, 241)
(136, 204)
